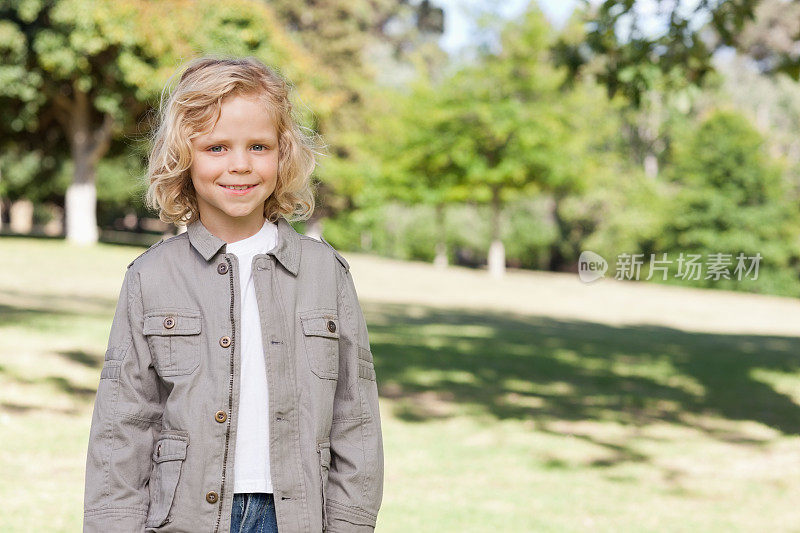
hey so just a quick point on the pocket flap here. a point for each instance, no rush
(366, 370)
(170, 448)
(320, 323)
(172, 322)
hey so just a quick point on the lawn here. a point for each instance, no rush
(531, 403)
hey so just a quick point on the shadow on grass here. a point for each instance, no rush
(13, 314)
(67, 387)
(25, 409)
(541, 369)
(22, 306)
(83, 358)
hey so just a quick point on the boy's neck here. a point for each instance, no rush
(233, 231)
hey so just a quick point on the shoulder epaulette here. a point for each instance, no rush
(341, 259)
(141, 254)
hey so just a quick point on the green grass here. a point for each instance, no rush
(492, 420)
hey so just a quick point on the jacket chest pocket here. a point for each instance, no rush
(321, 340)
(174, 339)
(169, 455)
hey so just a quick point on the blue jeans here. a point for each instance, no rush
(253, 512)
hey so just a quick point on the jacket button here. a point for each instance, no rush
(222, 268)
(212, 497)
(225, 341)
(221, 416)
(169, 322)
(331, 326)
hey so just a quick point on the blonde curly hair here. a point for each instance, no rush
(193, 108)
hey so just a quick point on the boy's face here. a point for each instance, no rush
(242, 149)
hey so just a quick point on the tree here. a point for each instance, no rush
(91, 70)
(628, 56)
(729, 199)
(771, 37)
(494, 130)
(420, 150)
(345, 35)
(771, 103)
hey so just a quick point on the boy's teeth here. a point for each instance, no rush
(237, 188)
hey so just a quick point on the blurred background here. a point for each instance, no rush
(475, 150)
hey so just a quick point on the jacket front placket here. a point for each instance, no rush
(222, 523)
(284, 427)
(274, 295)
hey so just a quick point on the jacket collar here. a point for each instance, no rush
(287, 250)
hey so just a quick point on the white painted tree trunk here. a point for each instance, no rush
(21, 216)
(88, 143)
(497, 259)
(440, 260)
(1, 204)
(497, 252)
(80, 205)
(651, 165)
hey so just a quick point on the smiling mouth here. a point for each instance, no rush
(238, 187)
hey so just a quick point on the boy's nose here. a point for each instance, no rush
(240, 165)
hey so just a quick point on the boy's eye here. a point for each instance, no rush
(214, 148)
(260, 147)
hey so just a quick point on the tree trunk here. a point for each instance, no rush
(440, 261)
(21, 216)
(1, 204)
(55, 226)
(87, 146)
(81, 203)
(366, 240)
(651, 165)
(557, 255)
(646, 135)
(497, 252)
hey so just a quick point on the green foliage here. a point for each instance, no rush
(80, 77)
(509, 119)
(347, 37)
(630, 214)
(32, 174)
(408, 232)
(628, 57)
(119, 182)
(492, 132)
(729, 199)
(422, 154)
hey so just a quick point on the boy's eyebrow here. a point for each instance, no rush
(214, 139)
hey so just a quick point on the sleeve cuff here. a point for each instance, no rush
(349, 519)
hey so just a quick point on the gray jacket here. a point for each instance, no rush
(163, 432)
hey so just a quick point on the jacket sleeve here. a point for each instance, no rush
(355, 480)
(125, 423)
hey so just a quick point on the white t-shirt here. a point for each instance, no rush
(251, 463)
